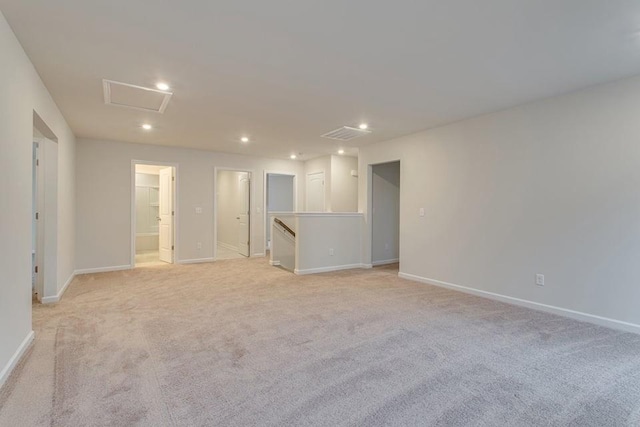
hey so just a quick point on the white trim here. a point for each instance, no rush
(272, 262)
(259, 254)
(367, 265)
(15, 359)
(576, 315)
(58, 296)
(103, 269)
(228, 246)
(328, 269)
(385, 262)
(194, 261)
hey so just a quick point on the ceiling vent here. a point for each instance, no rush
(136, 97)
(346, 133)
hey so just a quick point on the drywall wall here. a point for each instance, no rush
(229, 205)
(328, 242)
(104, 173)
(340, 188)
(280, 195)
(344, 186)
(23, 93)
(551, 187)
(385, 215)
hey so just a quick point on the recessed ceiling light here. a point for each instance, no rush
(146, 126)
(340, 151)
(293, 157)
(244, 139)
(162, 86)
(363, 126)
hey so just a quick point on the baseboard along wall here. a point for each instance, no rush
(15, 359)
(572, 314)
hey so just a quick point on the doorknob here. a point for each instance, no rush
(237, 217)
(158, 218)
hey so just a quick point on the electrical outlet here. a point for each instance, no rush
(331, 251)
(540, 279)
(199, 245)
(198, 210)
(421, 212)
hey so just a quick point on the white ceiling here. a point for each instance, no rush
(285, 72)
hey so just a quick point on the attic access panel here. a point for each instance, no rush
(142, 98)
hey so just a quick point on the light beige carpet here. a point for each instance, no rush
(240, 343)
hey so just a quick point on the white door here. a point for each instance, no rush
(243, 215)
(165, 215)
(315, 192)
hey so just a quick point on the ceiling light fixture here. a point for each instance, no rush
(244, 139)
(147, 126)
(162, 86)
(293, 157)
(363, 126)
(340, 151)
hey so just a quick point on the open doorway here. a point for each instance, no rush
(233, 214)
(385, 214)
(153, 214)
(280, 196)
(44, 214)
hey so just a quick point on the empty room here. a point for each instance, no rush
(320, 213)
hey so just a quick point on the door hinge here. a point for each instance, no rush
(173, 178)
(37, 162)
(36, 268)
(173, 212)
(172, 248)
(37, 215)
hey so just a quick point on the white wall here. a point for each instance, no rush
(23, 93)
(344, 187)
(229, 206)
(328, 242)
(104, 174)
(550, 187)
(385, 218)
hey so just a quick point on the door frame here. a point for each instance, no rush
(369, 215)
(215, 207)
(132, 224)
(264, 199)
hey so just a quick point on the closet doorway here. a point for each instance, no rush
(153, 213)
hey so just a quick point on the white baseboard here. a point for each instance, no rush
(103, 269)
(328, 269)
(15, 359)
(274, 262)
(228, 246)
(577, 315)
(195, 261)
(58, 296)
(260, 254)
(367, 265)
(385, 262)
